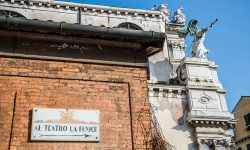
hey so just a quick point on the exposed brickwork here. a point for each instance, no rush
(52, 84)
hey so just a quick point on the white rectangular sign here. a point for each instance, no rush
(65, 125)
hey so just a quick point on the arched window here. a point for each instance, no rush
(8, 13)
(131, 26)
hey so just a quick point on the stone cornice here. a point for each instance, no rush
(161, 90)
(198, 61)
(197, 87)
(242, 139)
(165, 86)
(87, 7)
(225, 124)
(201, 83)
(211, 119)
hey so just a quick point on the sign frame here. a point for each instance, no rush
(65, 125)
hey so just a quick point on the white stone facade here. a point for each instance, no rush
(186, 93)
(86, 14)
(170, 108)
(208, 112)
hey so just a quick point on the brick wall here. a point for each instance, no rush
(120, 93)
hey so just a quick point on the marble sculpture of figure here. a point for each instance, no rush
(198, 49)
(179, 16)
(165, 11)
(164, 8)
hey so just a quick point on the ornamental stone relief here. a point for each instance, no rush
(218, 142)
(177, 45)
(204, 99)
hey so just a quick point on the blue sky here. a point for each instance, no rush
(228, 41)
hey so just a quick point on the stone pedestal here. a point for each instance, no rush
(208, 112)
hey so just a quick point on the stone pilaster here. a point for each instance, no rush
(208, 112)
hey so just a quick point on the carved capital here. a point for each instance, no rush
(225, 143)
(217, 142)
(177, 45)
(208, 142)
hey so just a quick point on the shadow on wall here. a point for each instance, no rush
(29, 126)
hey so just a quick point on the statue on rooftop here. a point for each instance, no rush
(164, 9)
(198, 48)
(179, 16)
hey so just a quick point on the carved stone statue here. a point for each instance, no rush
(164, 8)
(179, 16)
(198, 49)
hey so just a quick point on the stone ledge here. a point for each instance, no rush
(85, 7)
(198, 61)
(211, 118)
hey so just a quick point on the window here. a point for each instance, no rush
(247, 121)
(10, 14)
(130, 26)
(248, 146)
